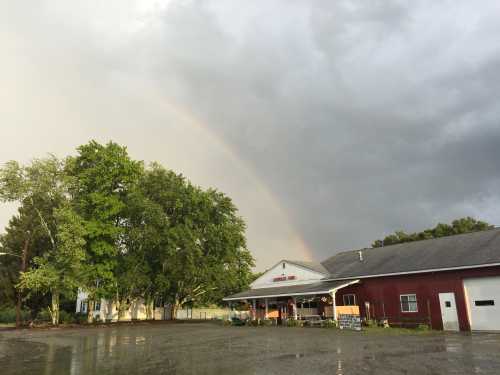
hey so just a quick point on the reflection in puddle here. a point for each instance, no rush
(211, 350)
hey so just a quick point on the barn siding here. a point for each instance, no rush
(427, 287)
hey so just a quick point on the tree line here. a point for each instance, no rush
(458, 226)
(104, 223)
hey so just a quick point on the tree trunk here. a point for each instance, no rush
(174, 307)
(148, 302)
(54, 311)
(24, 259)
(90, 311)
(122, 306)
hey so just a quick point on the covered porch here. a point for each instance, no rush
(297, 302)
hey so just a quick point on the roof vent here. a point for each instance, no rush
(360, 253)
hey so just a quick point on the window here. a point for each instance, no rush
(83, 306)
(488, 302)
(97, 306)
(349, 299)
(409, 303)
(284, 265)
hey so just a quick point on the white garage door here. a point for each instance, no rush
(483, 295)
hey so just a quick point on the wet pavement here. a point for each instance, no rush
(211, 349)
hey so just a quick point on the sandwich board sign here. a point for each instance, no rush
(349, 321)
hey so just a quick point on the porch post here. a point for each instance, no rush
(267, 309)
(254, 307)
(295, 308)
(230, 309)
(334, 305)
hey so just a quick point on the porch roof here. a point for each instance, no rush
(322, 287)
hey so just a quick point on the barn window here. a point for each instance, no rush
(409, 303)
(284, 265)
(349, 299)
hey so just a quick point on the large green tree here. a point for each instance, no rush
(459, 226)
(204, 254)
(103, 223)
(101, 177)
(38, 187)
(60, 270)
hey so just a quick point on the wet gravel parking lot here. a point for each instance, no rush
(212, 349)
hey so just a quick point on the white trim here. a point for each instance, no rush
(401, 303)
(293, 294)
(415, 272)
(294, 264)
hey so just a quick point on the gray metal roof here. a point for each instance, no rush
(315, 266)
(460, 251)
(318, 287)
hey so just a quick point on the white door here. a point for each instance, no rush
(449, 311)
(483, 297)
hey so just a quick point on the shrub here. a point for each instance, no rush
(266, 322)
(44, 316)
(370, 323)
(330, 323)
(81, 318)
(292, 323)
(66, 317)
(8, 315)
(423, 327)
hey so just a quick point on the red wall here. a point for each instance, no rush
(384, 292)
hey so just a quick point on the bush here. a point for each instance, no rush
(330, 323)
(8, 315)
(44, 316)
(266, 322)
(81, 318)
(370, 323)
(66, 317)
(292, 323)
(423, 327)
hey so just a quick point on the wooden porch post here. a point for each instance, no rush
(267, 309)
(334, 305)
(254, 308)
(295, 308)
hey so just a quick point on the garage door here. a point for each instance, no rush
(483, 295)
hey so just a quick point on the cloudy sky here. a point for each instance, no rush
(329, 123)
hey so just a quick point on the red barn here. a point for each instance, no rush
(450, 283)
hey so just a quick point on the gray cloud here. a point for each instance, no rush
(361, 118)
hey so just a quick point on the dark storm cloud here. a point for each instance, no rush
(362, 117)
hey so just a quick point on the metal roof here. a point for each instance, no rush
(292, 290)
(470, 250)
(314, 266)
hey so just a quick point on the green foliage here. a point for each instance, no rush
(60, 270)
(330, 323)
(100, 178)
(293, 323)
(8, 315)
(101, 222)
(44, 315)
(459, 226)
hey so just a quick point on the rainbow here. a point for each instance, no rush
(188, 118)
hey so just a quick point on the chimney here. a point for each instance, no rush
(360, 253)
